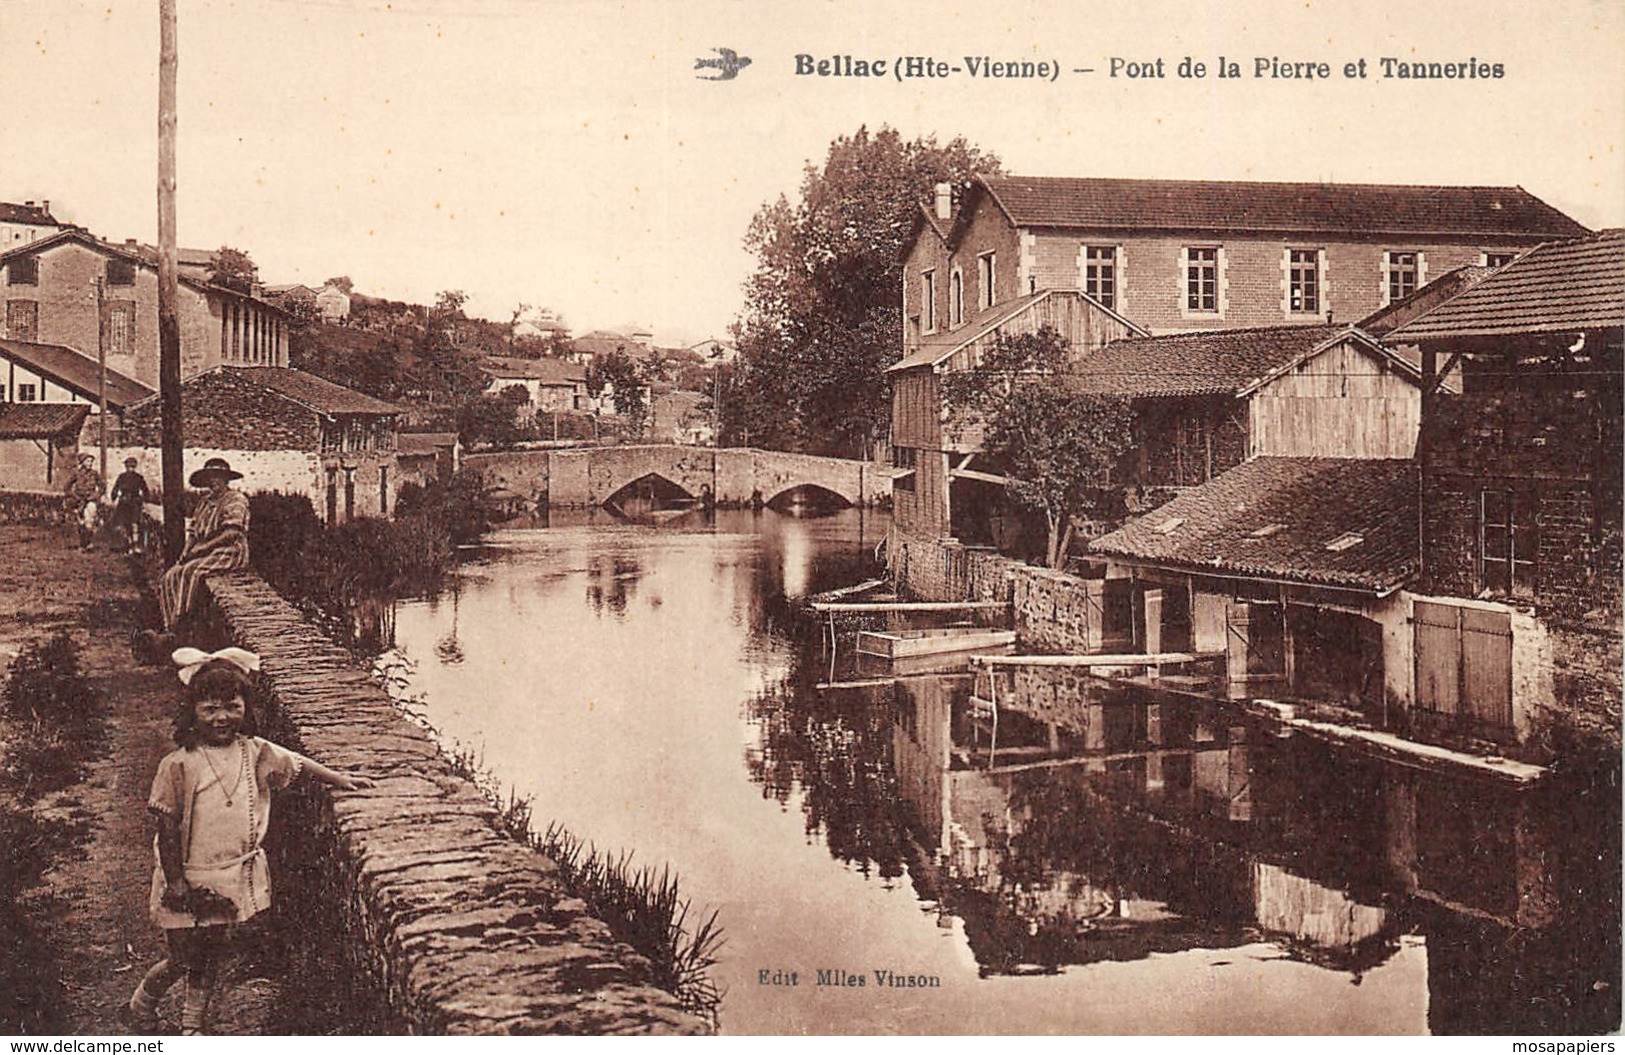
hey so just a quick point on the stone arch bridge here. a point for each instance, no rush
(731, 476)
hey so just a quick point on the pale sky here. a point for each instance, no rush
(564, 154)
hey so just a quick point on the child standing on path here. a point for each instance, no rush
(211, 801)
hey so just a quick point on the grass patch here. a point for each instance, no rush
(347, 575)
(51, 724)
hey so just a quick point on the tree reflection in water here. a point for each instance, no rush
(611, 583)
(833, 749)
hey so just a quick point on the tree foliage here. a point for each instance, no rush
(629, 381)
(822, 317)
(493, 418)
(443, 368)
(234, 269)
(1058, 447)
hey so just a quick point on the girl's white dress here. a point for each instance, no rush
(222, 796)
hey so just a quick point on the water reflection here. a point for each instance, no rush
(1071, 861)
(1129, 825)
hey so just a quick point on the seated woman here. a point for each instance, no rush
(219, 541)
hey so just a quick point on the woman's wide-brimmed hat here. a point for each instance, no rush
(214, 467)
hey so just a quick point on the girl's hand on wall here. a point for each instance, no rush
(355, 783)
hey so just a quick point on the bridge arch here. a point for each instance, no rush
(811, 497)
(650, 493)
(586, 477)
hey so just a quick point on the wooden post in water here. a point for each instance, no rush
(169, 334)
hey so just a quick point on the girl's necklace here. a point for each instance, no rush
(221, 780)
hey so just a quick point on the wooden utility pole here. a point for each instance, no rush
(101, 377)
(169, 331)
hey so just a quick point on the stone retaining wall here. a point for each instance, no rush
(409, 912)
(1053, 611)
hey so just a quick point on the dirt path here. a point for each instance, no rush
(100, 929)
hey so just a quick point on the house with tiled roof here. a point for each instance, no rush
(1204, 402)
(1140, 258)
(38, 444)
(938, 487)
(1521, 473)
(1289, 568)
(285, 430)
(1477, 584)
(31, 372)
(26, 222)
(1191, 254)
(551, 385)
(74, 291)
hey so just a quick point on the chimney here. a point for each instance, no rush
(45, 205)
(945, 201)
(29, 203)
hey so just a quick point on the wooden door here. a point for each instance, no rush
(1486, 669)
(1255, 640)
(1438, 658)
(1464, 667)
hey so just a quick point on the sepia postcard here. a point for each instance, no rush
(724, 518)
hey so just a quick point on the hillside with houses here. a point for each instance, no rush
(320, 389)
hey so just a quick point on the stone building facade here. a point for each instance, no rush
(72, 290)
(1181, 255)
(284, 430)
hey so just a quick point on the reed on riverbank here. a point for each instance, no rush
(644, 908)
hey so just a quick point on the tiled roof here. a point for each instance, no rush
(1274, 518)
(600, 343)
(1194, 364)
(12, 212)
(41, 421)
(317, 393)
(1362, 209)
(424, 442)
(76, 372)
(1556, 288)
(1430, 296)
(548, 371)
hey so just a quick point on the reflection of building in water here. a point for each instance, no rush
(1085, 839)
(1119, 823)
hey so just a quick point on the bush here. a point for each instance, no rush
(338, 569)
(50, 724)
(53, 718)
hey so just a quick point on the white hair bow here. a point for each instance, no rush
(191, 660)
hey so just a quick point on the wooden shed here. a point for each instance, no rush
(38, 443)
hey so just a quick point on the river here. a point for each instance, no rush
(1135, 866)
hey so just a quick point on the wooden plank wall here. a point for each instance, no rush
(1086, 327)
(1344, 403)
(916, 410)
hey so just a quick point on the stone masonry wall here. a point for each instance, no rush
(412, 912)
(1052, 609)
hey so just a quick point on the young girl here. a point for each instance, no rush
(211, 801)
